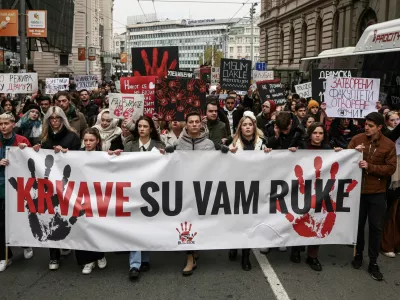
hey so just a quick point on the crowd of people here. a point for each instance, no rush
(81, 121)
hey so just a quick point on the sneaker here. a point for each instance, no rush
(295, 257)
(389, 254)
(264, 250)
(134, 273)
(87, 269)
(65, 252)
(102, 263)
(357, 261)
(375, 272)
(282, 249)
(28, 253)
(314, 264)
(4, 265)
(54, 265)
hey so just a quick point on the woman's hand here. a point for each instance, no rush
(37, 147)
(57, 149)
(162, 151)
(4, 162)
(116, 152)
(233, 149)
(337, 149)
(267, 150)
(292, 149)
(22, 146)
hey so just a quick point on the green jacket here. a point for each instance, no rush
(217, 132)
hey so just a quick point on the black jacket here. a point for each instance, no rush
(284, 141)
(236, 115)
(64, 138)
(90, 112)
(336, 136)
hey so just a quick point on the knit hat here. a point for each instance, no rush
(272, 106)
(312, 103)
(34, 106)
(250, 114)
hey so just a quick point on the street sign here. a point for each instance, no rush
(261, 66)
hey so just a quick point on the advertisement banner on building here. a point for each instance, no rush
(92, 53)
(235, 74)
(18, 83)
(8, 22)
(215, 71)
(149, 61)
(126, 106)
(81, 54)
(145, 85)
(36, 23)
(177, 97)
(187, 200)
(123, 57)
(351, 98)
(54, 85)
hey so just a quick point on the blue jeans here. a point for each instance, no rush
(137, 257)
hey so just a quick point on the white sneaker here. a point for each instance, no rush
(87, 269)
(65, 252)
(389, 254)
(282, 249)
(102, 263)
(28, 253)
(264, 250)
(4, 265)
(54, 265)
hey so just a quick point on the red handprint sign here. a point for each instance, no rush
(185, 237)
(320, 219)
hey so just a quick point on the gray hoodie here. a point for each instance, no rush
(186, 142)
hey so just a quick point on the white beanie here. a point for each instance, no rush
(250, 114)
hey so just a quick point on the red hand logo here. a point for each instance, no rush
(321, 225)
(153, 69)
(185, 236)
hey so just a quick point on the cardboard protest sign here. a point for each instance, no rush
(304, 90)
(262, 75)
(141, 85)
(154, 61)
(126, 106)
(351, 97)
(179, 74)
(235, 74)
(215, 75)
(86, 82)
(18, 83)
(177, 97)
(54, 85)
(271, 91)
(318, 80)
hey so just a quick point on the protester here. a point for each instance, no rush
(300, 112)
(216, 129)
(88, 108)
(313, 109)
(233, 113)
(127, 127)
(30, 124)
(247, 137)
(108, 129)
(280, 133)
(88, 259)
(44, 103)
(8, 107)
(342, 130)
(169, 137)
(28, 101)
(75, 118)
(264, 117)
(379, 162)
(7, 138)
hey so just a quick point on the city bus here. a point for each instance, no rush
(376, 55)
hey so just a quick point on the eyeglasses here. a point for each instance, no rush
(54, 118)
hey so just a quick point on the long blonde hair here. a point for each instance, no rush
(238, 137)
(46, 124)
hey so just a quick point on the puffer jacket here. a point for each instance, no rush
(186, 142)
(380, 154)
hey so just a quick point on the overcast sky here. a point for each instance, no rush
(179, 10)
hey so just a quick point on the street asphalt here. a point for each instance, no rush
(215, 278)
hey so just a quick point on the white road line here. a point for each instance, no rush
(273, 280)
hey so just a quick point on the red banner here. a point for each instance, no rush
(141, 85)
(81, 54)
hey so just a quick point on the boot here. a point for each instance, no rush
(190, 265)
(246, 265)
(233, 254)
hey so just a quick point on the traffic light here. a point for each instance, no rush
(252, 10)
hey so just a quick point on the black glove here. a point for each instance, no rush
(224, 149)
(169, 149)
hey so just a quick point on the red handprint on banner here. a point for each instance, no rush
(310, 225)
(185, 236)
(153, 69)
(170, 115)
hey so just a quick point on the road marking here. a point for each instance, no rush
(273, 280)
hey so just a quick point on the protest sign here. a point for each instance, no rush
(351, 97)
(154, 61)
(177, 97)
(126, 106)
(235, 74)
(215, 71)
(179, 74)
(54, 85)
(271, 91)
(141, 85)
(181, 201)
(18, 83)
(86, 82)
(318, 80)
(262, 75)
(304, 90)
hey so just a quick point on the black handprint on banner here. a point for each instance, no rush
(57, 227)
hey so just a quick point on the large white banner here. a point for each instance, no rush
(352, 98)
(18, 83)
(182, 201)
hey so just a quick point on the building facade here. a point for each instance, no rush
(291, 30)
(239, 40)
(191, 36)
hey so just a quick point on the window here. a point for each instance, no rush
(256, 49)
(318, 38)
(248, 30)
(63, 59)
(291, 44)
(117, 43)
(231, 57)
(335, 33)
(239, 49)
(230, 49)
(248, 40)
(247, 49)
(281, 47)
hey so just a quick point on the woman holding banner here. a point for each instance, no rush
(108, 128)
(144, 138)
(169, 137)
(247, 137)
(317, 140)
